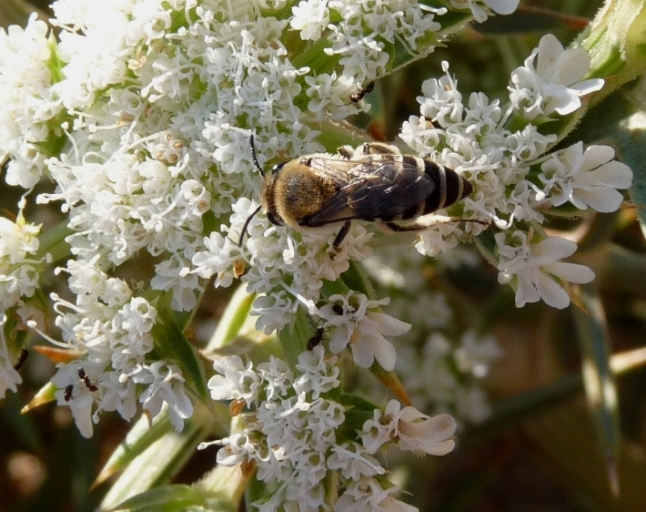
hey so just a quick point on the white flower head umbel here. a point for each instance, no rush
(292, 432)
(503, 151)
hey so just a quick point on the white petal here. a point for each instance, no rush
(385, 353)
(549, 49)
(600, 199)
(571, 272)
(588, 86)
(362, 353)
(526, 292)
(388, 325)
(596, 155)
(572, 66)
(613, 174)
(552, 293)
(502, 6)
(551, 249)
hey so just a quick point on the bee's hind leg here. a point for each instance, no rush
(423, 223)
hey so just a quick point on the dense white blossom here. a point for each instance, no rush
(292, 431)
(19, 280)
(112, 328)
(501, 164)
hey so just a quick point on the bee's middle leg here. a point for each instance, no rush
(340, 236)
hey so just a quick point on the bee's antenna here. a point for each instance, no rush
(254, 158)
(246, 223)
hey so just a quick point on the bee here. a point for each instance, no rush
(374, 183)
(358, 96)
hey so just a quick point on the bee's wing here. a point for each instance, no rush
(375, 188)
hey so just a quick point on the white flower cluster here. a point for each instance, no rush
(112, 328)
(140, 114)
(27, 103)
(19, 280)
(504, 154)
(292, 435)
(362, 40)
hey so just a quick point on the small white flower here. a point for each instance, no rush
(353, 462)
(310, 18)
(534, 270)
(586, 178)
(9, 377)
(550, 80)
(235, 380)
(318, 374)
(19, 274)
(363, 329)
(442, 102)
(368, 494)
(419, 432)
(17, 239)
(411, 429)
(479, 10)
(278, 378)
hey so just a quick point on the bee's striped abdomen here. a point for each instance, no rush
(450, 187)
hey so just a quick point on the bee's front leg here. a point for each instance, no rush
(346, 152)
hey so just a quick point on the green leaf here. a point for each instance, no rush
(616, 41)
(174, 498)
(150, 456)
(598, 379)
(357, 279)
(173, 345)
(294, 337)
(141, 436)
(232, 320)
